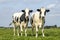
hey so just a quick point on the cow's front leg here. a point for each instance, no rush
(36, 31)
(43, 31)
(18, 30)
(25, 28)
(21, 29)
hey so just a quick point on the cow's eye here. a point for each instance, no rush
(44, 13)
(28, 12)
(25, 12)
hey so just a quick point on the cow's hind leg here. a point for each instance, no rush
(32, 30)
(14, 29)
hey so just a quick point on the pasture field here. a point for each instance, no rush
(50, 34)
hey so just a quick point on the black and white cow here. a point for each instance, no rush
(38, 20)
(20, 21)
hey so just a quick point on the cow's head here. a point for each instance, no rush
(27, 12)
(43, 11)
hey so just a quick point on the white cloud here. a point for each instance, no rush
(51, 6)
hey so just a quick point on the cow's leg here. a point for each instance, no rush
(21, 29)
(32, 29)
(36, 31)
(43, 31)
(18, 30)
(25, 31)
(14, 29)
(25, 28)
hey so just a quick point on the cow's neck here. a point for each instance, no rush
(22, 18)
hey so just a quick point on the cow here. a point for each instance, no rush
(20, 21)
(38, 20)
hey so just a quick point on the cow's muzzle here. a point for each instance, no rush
(27, 18)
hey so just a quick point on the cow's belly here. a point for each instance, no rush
(17, 24)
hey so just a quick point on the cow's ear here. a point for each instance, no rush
(31, 11)
(38, 9)
(47, 10)
(23, 10)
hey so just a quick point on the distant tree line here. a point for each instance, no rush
(53, 26)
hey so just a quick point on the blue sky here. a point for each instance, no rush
(9, 7)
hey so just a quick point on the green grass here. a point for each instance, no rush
(50, 34)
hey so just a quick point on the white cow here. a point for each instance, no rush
(20, 21)
(38, 20)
